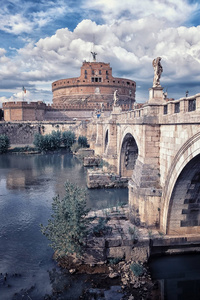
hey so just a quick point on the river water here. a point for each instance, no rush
(27, 185)
(27, 271)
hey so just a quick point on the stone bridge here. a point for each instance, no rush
(158, 148)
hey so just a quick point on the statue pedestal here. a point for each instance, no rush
(116, 110)
(156, 95)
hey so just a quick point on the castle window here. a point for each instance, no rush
(106, 76)
(106, 72)
(85, 71)
(54, 84)
(128, 83)
(165, 110)
(85, 76)
(92, 72)
(177, 107)
(192, 105)
(113, 81)
(99, 72)
(133, 84)
(92, 79)
(96, 79)
(100, 79)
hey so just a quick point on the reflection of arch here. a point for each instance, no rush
(106, 140)
(187, 152)
(128, 156)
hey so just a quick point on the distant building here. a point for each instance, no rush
(23, 111)
(94, 88)
(79, 97)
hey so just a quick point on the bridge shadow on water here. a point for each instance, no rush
(178, 276)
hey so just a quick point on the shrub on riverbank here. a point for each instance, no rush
(48, 142)
(53, 141)
(68, 139)
(4, 143)
(68, 227)
(83, 142)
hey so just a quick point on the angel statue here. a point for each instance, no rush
(157, 71)
(116, 98)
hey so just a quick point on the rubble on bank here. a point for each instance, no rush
(118, 250)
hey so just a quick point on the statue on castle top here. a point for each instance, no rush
(157, 71)
(94, 54)
(116, 98)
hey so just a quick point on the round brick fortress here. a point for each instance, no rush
(94, 87)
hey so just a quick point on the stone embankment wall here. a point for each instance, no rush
(118, 242)
(91, 161)
(100, 179)
(23, 132)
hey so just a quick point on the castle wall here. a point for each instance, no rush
(24, 111)
(95, 84)
(23, 132)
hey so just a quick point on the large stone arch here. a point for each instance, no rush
(183, 171)
(106, 138)
(128, 155)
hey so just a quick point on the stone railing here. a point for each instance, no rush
(163, 111)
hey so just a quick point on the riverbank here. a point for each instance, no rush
(119, 251)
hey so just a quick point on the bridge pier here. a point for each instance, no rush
(145, 195)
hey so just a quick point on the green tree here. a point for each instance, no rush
(82, 141)
(55, 139)
(48, 142)
(4, 143)
(38, 141)
(68, 138)
(68, 226)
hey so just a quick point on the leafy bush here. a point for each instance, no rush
(137, 269)
(133, 231)
(82, 141)
(101, 228)
(22, 149)
(4, 143)
(115, 260)
(47, 142)
(68, 139)
(55, 139)
(68, 227)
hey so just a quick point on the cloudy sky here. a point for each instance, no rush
(43, 41)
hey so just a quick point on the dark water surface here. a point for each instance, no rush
(178, 275)
(27, 185)
(27, 271)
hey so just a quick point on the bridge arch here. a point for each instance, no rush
(180, 211)
(106, 141)
(128, 155)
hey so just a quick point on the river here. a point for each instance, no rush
(27, 185)
(27, 271)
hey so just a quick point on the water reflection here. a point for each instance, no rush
(27, 185)
(178, 276)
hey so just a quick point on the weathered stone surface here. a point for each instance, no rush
(99, 179)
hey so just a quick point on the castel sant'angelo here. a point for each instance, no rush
(81, 97)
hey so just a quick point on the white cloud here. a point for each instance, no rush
(129, 44)
(23, 19)
(172, 11)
